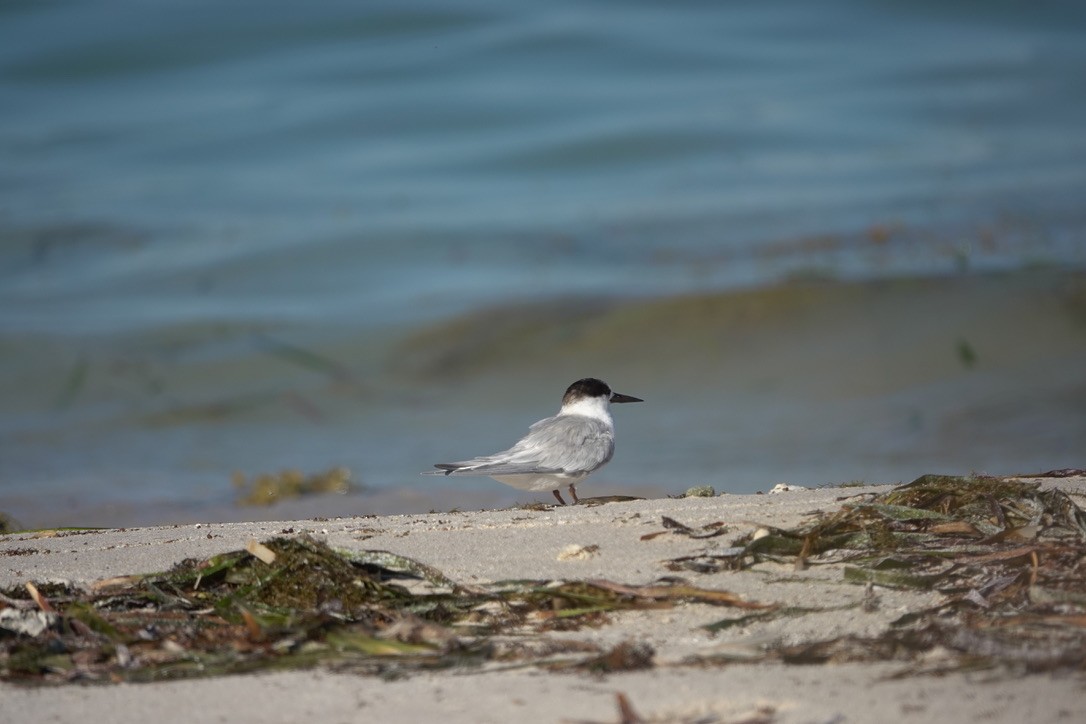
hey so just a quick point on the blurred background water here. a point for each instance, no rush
(824, 241)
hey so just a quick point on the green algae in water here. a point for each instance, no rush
(272, 488)
(9, 524)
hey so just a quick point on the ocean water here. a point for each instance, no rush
(824, 241)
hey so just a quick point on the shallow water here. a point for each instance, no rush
(255, 237)
(808, 383)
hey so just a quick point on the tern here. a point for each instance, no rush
(558, 450)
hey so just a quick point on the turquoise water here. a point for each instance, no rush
(219, 225)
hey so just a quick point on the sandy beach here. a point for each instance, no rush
(263, 275)
(695, 674)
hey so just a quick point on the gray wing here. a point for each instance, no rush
(568, 444)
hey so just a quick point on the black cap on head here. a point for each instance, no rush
(588, 387)
(592, 387)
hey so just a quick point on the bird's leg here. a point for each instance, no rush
(573, 492)
(559, 496)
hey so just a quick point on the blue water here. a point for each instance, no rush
(176, 177)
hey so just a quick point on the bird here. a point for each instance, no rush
(558, 450)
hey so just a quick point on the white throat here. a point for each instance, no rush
(595, 407)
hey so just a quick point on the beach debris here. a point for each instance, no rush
(1000, 562)
(1004, 556)
(295, 602)
(675, 590)
(626, 712)
(697, 714)
(534, 506)
(604, 499)
(784, 488)
(700, 491)
(1060, 473)
(378, 561)
(710, 530)
(261, 551)
(626, 656)
(575, 552)
(27, 622)
(39, 600)
(271, 488)
(871, 601)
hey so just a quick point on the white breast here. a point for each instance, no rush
(595, 407)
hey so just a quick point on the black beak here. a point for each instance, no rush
(619, 397)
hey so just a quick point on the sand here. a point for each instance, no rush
(485, 546)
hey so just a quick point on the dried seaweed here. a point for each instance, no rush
(626, 656)
(295, 602)
(670, 524)
(1006, 556)
(1003, 559)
